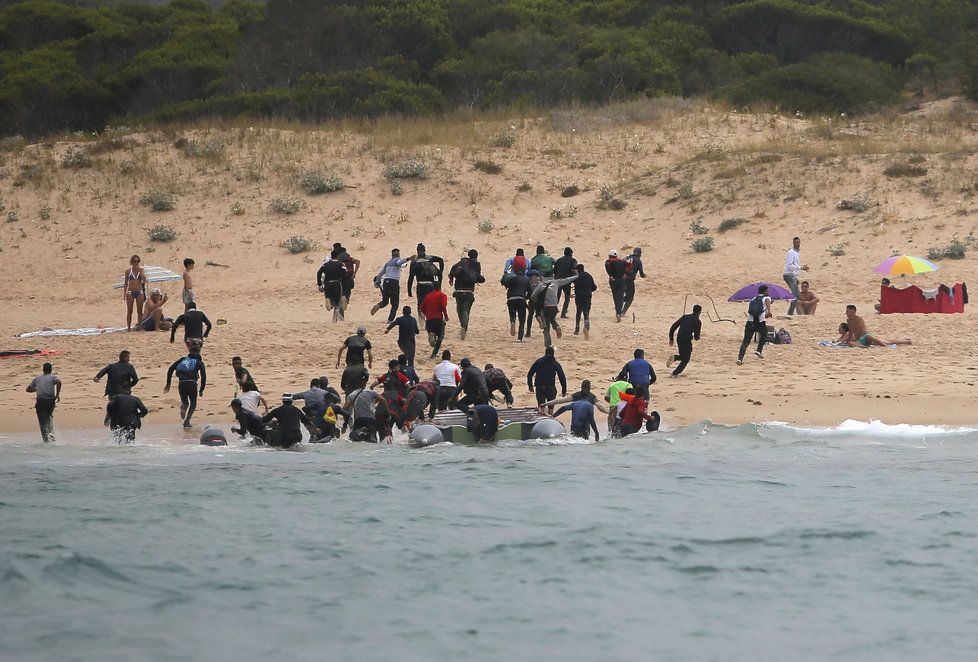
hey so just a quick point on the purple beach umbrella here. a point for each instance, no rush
(748, 292)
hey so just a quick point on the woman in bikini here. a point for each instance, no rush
(135, 290)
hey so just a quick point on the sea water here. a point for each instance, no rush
(757, 542)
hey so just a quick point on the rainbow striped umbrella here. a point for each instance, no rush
(899, 265)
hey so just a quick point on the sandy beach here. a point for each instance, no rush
(72, 231)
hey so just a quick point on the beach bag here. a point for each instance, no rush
(782, 337)
(427, 270)
(756, 308)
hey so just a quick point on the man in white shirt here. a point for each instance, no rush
(792, 269)
(447, 374)
(389, 280)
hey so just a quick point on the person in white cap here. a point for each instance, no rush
(616, 269)
(289, 418)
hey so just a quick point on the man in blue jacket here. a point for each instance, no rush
(639, 373)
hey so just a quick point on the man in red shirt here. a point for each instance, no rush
(634, 415)
(434, 307)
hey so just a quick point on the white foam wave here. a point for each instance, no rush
(875, 429)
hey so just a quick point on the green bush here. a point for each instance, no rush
(299, 244)
(76, 158)
(158, 200)
(955, 251)
(162, 233)
(316, 184)
(410, 169)
(728, 224)
(703, 245)
(286, 204)
(488, 167)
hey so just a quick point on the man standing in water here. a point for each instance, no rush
(792, 269)
(47, 387)
(188, 369)
(689, 327)
(616, 270)
(633, 268)
(465, 275)
(124, 415)
(428, 270)
(639, 373)
(389, 278)
(584, 288)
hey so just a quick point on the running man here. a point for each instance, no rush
(542, 378)
(516, 263)
(584, 288)
(389, 281)
(465, 275)
(634, 268)
(407, 329)
(517, 285)
(187, 295)
(362, 405)
(792, 270)
(447, 374)
(565, 266)
(242, 376)
(427, 270)
(352, 376)
(189, 369)
(124, 415)
(352, 268)
(543, 263)
(47, 387)
(355, 346)
(195, 324)
(435, 311)
(121, 376)
(545, 296)
(616, 270)
(758, 311)
(689, 327)
(329, 280)
(639, 373)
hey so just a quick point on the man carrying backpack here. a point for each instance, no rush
(188, 369)
(758, 310)
(633, 268)
(426, 270)
(465, 275)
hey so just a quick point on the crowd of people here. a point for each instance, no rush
(399, 397)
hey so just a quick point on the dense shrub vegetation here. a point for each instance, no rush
(80, 65)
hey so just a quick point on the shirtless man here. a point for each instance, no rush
(859, 336)
(188, 295)
(153, 319)
(807, 301)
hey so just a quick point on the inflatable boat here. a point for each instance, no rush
(515, 424)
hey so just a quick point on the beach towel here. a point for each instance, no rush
(842, 345)
(25, 353)
(86, 331)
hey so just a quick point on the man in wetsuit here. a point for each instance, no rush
(389, 280)
(465, 275)
(435, 311)
(497, 380)
(289, 418)
(124, 415)
(473, 385)
(352, 376)
(355, 346)
(689, 327)
(188, 369)
(517, 285)
(639, 373)
(121, 376)
(427, 270)
(584, 288)
(330, 279)
(47, 387)
(196, 326)
(616, 270)
(634, 268)
(582, 418)
(483, 422)
(565, 266)
(543, 375)
(447, 374)
(249, 423)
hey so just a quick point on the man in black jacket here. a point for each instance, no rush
(689, 327)
(517, 285)
(121, 376)
(465, 275)
(194, 323)
(616, 269)
(584, 287)
(124, 415)
(331, 279)
(289, 417)
(426, 270)
(542, 377)
(473, 384)
(563, 267)
(634, 264)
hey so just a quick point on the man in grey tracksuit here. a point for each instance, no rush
(544, 297)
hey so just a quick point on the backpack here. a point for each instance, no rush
(756, 308)
(427, 270)
(188, 364)
(782, 337)
(330, 416)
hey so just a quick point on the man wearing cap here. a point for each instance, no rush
(355, 346)
(389, 281)
(427, 270)
(249, 423)
(565, 266)
(289, 418)
(465, 275)
(616, 269)
(634, 268)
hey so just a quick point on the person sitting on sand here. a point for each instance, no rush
(807, 301)
(153, 319)
(859, 336)
(885, 283)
